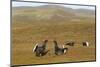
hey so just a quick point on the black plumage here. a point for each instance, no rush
(58, 50)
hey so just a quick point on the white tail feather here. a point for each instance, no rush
(35, 47)
(87, 44)
(65, 51)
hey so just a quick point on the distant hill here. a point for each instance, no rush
(49, 12)
(85, 12)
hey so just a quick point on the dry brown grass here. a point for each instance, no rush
(26, 35)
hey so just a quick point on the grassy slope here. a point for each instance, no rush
(26, 34)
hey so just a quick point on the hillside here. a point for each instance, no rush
(32, 25)
(50, 12)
